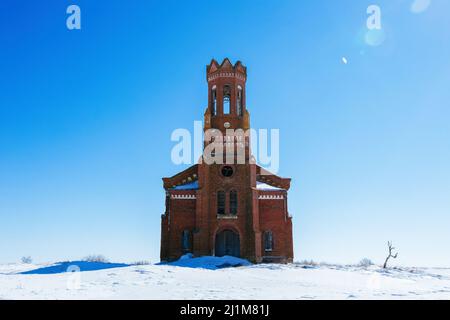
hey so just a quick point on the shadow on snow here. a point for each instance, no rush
(208, 262)
(72, 266)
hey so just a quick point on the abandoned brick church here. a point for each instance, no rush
(227, 209)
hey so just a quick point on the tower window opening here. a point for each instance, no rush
(239, 102)
(227, 99)
(213, 100)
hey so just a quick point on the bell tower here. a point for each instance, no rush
(226, 204)
(226, 96)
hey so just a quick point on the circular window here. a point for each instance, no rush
(227, 171)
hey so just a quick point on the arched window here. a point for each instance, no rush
(233, 202)
(221, 202)
(239, 101)
(213, 100)
(268, 241)
(227, 99)
(186, 241)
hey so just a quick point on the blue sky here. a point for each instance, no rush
(86, 118)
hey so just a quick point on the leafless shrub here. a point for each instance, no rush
(366, 262)
(140, 263)
(96, 258)
(309, 263)
(27, 260)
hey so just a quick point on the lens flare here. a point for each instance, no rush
(375, 37)
(419, 6)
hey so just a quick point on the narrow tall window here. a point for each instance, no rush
(186, 241)
(233, 202)
(239, 102)
(227, 99)
(268, 241)
(213, 100)
(221, 202)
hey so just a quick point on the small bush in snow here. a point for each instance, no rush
(96, 258)
(141, 263)
(27, 260)
(309, 263)
(365, 263)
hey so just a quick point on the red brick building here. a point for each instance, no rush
(236, 209)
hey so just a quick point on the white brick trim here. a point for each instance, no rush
(271, 197)
(183, 196)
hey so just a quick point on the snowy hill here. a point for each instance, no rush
(294, 281)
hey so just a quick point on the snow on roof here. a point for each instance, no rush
(194, 186)
(265, 186)
(188, 186)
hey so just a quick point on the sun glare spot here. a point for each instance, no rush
(375, 37)
(419, 6)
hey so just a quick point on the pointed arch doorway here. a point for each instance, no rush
(227, 244)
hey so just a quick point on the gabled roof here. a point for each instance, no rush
(188, 186)
(188, 180)
(213, 66)
(265, 187)
(272, 180)
(187, 176)
(226, 63)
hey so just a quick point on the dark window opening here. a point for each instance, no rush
(221, 202)
(233, 202)
(186, 241)
(227, 171)
(268, 241)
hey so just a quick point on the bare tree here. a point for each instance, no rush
(394, 256)
(27, 260)
(366, 262)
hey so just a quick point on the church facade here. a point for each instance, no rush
(224, 208)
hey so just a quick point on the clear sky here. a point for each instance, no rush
(86, 117)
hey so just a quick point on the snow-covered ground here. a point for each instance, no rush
(294, 281)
